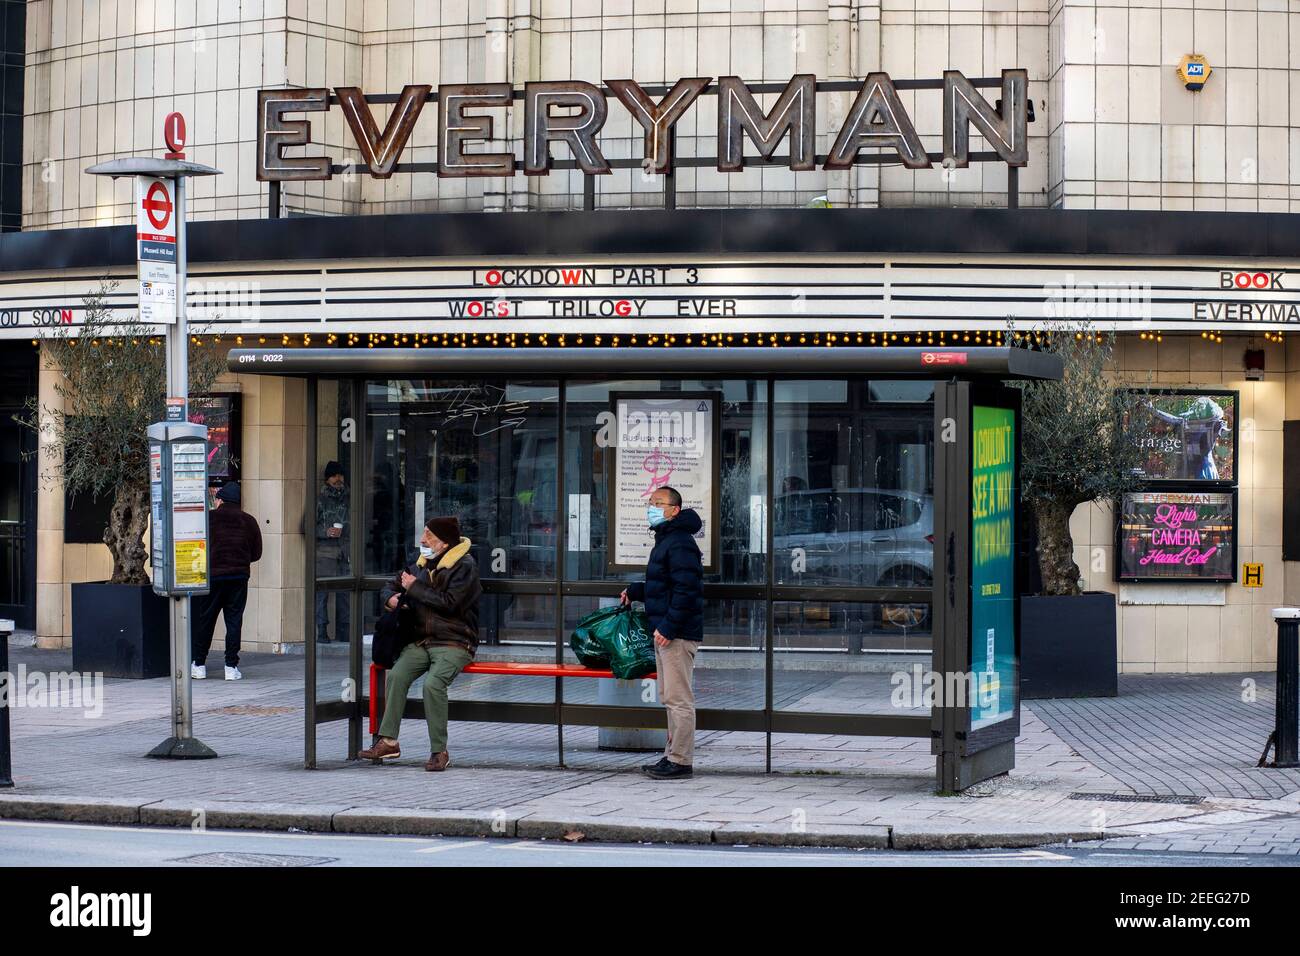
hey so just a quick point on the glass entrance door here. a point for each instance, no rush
(17, 524)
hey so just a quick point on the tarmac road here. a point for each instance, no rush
(25, 843)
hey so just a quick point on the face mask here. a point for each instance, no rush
(655, 516)
(426, 553)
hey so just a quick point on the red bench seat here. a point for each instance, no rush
(517, 668)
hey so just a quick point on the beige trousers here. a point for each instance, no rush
(675, 665)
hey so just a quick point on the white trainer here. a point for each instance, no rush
(198, 672)
(232, 673)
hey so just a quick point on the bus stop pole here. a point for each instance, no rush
(1287, 722)
(178, 386)
(182, 743)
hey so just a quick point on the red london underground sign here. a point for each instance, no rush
(174, 135)
(157, 206)
(943, 358)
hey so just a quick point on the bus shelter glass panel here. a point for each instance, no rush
(512, 627)
(820, 669)
(729, 473)
(519, 642)
(853, 521)
(718, 464)
(854, 486)
(483, 451)
(333, 658)
(333, 526)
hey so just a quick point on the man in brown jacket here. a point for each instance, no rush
(438, 597)
(236, 542)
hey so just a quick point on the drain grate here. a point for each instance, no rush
(1137, 798)
(253, 859)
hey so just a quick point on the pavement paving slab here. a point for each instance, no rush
(1086, 770)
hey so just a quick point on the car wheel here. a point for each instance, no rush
(904, 618)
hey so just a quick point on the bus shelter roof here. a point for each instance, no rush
(983, 362)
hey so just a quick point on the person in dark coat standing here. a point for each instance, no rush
(439, 597)
(333, 553)
(673, 593)
(235, 542)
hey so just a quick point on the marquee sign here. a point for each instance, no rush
(699, 295)
(573, 112)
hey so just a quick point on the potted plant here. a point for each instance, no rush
(1076, 448)
(112, 382)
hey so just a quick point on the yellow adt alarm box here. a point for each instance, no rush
(1194, 70)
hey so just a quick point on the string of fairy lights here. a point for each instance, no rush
(505, 340)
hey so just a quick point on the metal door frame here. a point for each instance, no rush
(767, 720)
(24, 612)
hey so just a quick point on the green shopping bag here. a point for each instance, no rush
(624, 636)
(589, 650)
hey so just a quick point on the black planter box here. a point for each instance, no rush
(120, 630)
(1067, 646)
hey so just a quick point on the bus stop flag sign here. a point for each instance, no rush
(155, 227)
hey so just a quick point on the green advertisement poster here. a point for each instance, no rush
(993, 584)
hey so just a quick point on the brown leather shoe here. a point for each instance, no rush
(385, 749)
(437, 761)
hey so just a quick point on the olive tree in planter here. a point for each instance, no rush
(112, 386)
(1077, 447)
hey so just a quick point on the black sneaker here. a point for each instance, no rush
(647, 767)
(669, 771)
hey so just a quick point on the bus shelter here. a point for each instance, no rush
(862, 538)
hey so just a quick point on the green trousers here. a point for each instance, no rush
(440, 665)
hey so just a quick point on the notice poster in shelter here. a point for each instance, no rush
(1177, 536)
(662, 441)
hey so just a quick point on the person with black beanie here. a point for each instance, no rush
(438, 596)
(234, 542)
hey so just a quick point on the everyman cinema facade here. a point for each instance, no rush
(471, 280)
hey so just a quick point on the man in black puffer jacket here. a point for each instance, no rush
(673, 593)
